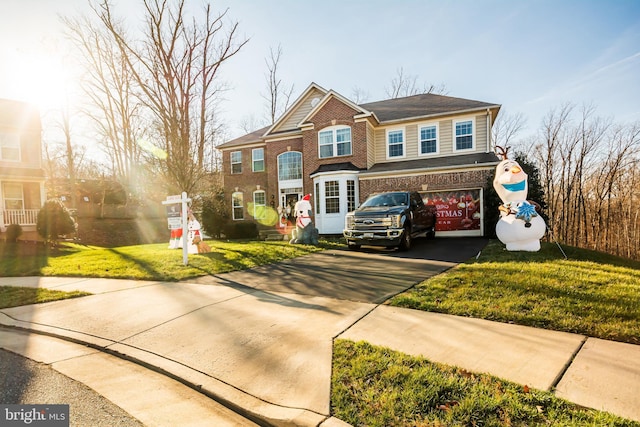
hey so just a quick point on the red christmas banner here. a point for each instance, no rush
(456, 210)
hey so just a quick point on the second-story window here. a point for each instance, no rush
(428, 139)
(395, 144)
(236, 162)
(463, 134)
(257, 160)
(334, 141)
(9, 146)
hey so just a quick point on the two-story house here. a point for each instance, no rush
(339, 152)
(22, 178)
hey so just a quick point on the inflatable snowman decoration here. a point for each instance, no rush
(305, 232)
(520, 227)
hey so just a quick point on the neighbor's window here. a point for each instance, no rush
(332, 197)
(429, 139)
(237, 203)
(334, 142)
(395, 143)
(464, 135)
(259, 204)
(257, 155)
(236, 162)
(13, 196)
(290, 165)
(9, 146)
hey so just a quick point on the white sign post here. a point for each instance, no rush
(183, 199)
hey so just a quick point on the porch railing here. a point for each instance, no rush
(19, 216)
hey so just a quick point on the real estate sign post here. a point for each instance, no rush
(182, 222)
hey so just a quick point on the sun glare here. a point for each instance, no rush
(40, 78)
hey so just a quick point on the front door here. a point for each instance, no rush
(288, 199)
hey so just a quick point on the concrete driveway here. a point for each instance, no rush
(259, 340)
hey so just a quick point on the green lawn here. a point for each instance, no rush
(14, 296)
(144, 262)
(374, 386)
(589, 293)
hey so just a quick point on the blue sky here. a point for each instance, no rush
(529, 56)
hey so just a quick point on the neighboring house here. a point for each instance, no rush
(22, 177)
(340, 152)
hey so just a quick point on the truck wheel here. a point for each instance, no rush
(432, 233)
(405, 243)
(353, 246)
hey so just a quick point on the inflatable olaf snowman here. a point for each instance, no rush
(520, 227)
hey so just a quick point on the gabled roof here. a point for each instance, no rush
(387, 111)
(325, 99)
(253, 137)
(424, 105)
(313, 87)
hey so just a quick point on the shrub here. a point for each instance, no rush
(240, 230)
(215, 214)
(54, 220)
(13, 232)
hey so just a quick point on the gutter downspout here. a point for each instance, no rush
(488, 130)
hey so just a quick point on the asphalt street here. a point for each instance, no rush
(27, 382)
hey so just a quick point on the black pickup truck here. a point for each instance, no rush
(390, 219)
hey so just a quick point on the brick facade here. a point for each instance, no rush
(426, 182)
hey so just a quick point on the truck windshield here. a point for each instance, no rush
(387, 199)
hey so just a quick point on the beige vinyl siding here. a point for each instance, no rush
(445, 139)
(411, 141)
(292, 121)
(445, 135)
(481, 133)
(371, 146)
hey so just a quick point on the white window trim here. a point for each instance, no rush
(233, 207)
(404, 144)
(334, 132)
(235, 163)
(253, 160)
(259, 213)
(429, 125)
(473, 134)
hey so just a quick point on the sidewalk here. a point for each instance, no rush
(260, 341)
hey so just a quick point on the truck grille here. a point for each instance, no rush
(372, 223)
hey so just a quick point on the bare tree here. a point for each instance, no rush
(589, 169)
(506, 128)
(174, 66)
(279, 95)
(111, 106)
(251, 123)
(359, 95)
(407, 85)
